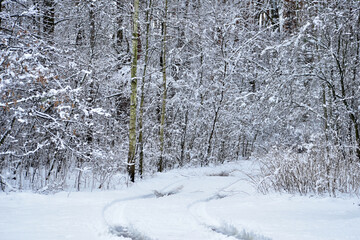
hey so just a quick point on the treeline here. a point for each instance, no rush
(211, 81)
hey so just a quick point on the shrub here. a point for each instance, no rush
(316, 170)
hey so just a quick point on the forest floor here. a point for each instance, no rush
(195, 203)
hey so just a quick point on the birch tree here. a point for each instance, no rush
(132, 124)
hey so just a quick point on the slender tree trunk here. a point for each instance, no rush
(163, 104)
(119, 20)
(183, 140)
(217, 110)
(141, 110)
(92, 30)
(80, 35)
(90, 101)
(132, 124)
(0, 10)
(49, 19)
(326, 118)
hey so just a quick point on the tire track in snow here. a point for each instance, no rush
(198, 210)
(119, 230)
(130, 232)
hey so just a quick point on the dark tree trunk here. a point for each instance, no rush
(49, 18)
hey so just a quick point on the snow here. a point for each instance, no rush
(100, 111)
(195, 203)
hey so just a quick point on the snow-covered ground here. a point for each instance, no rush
(195, 203)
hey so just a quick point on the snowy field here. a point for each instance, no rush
(201, 203)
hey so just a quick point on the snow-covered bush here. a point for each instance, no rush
(314, 170)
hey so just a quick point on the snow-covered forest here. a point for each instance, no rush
(179, 119)
(95, 94)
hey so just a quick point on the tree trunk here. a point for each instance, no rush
(92, 30)
(49, 19)
(119, 20)
(89, 137)
(183, 140)
(141, 110)
(213, 128)
(132, 124)
(163, 104)
(0, 13)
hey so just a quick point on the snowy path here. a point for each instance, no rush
(177, 216)
(201, 205)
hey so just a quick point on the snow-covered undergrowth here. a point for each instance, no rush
(313, 170)
(41, 181)
(216, 202)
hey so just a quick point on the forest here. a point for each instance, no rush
(95, 93)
